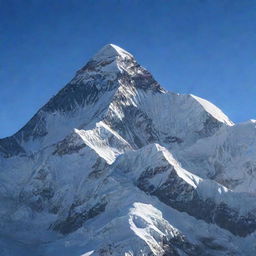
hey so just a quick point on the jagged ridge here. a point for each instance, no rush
(90, 164)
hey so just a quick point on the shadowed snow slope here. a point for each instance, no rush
(115, 165)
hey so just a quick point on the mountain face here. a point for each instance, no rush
(116, 165)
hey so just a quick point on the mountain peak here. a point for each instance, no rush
(111, 51)
(109, 62)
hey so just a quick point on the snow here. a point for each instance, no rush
(97, 153)
(110, 51)
(228, 156)
(88, 253)
(143, 222)
(190, 178)
(213, 110)
(99, 140)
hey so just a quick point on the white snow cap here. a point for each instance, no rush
(111, 51)
(213, 110)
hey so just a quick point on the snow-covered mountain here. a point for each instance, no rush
(116, 165)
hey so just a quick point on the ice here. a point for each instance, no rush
(93, 158)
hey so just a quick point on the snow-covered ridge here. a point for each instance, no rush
(92, 90)
(111, 51)
(115, 165)
(213, 110)
(106, 142)
(110, 61)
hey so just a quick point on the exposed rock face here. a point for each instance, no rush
(76, 219)
(185, 195)
(208, 210)
(10, 147)
(71, 144)
(116, 165)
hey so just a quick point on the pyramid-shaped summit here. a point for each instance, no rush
(90, 91)
(110, 51)
(111, 78)
(112, 63)
(115, 165)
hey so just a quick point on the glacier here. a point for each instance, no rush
(114, 164)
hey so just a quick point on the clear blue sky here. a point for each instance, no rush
(203, 47)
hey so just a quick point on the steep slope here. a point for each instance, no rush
(114, 164)
(113, 87)
(227, 157)
(159, 174)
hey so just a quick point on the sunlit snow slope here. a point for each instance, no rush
(116, 165)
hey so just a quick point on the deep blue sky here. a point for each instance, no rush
(203, 47)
